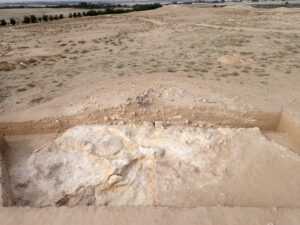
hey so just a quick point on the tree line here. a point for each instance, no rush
(46, 18)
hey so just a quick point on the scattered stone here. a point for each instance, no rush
(23, 65)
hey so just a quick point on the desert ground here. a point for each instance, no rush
(178, 115)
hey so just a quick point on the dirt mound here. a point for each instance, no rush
(234, 59)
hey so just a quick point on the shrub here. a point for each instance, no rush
(26, 19)
(146, 7)
(61, 16)
(51, 18)
(119, 11)
(56, 17)
(84, 14)
(74, 15)
(79, 14)
(45, 18)
(70, 15)
(91, 13)
(12, 21)
(3, 22)
(109, 11)
(40, 19)
(33, 19)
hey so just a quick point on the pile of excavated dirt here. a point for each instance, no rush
(158, 165)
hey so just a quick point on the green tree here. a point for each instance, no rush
(70, 15)
(40, 19)
(45, 18)
(91, 13)
(26, 19)
(83, 5)
(79, 14)
(33, 19)
(61, 16)
(74, 15)
(12, 21)
(51, 18)
(3, 22)
(56, 17)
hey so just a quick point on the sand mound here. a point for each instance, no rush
(235, 59)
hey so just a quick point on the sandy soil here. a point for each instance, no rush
(187, 66)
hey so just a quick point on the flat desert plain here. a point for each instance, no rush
(179, 115)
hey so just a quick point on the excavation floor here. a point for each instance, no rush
(150, 216)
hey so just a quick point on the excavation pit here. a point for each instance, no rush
(148, 165)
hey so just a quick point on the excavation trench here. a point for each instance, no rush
(195, 117)
(180, 157)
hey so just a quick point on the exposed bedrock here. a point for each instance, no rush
(166, 166)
